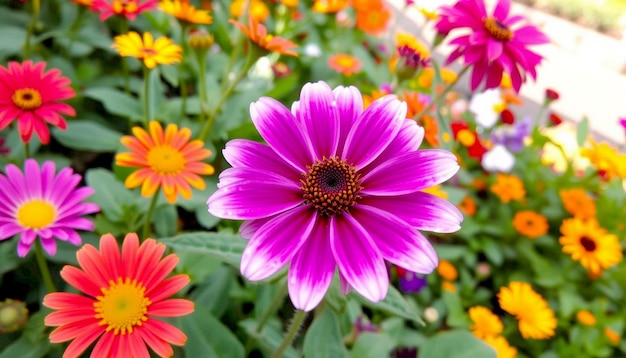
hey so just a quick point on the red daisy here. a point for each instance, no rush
(493, 44)
(31, 96)
(125, 290)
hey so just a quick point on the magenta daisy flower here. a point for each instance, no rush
(492, 44)
(40, 203)
(31, 96)
(336, 186)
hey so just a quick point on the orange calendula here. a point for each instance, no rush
(167, 159)
(535, 318)
(184, 11)
(578, 203)
(329, 6)
(508, 187)
(257, 33)
(530, 224)
(344, 64)
(257, 9)
(484, 322)
(373, 20)
(447, 271)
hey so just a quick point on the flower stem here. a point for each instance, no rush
(182, 83)
(43, 267)
(441, 95)
(146, 95)
(31, 28)
(148, 219)
(296, 323)
(276, 302)
(26, 151)
(242, 74)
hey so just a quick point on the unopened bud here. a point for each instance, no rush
(200, 39)
(13, 315)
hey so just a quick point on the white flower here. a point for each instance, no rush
(312, 50)
(498, 159)
(486, 107)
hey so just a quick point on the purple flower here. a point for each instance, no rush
(411, 282)
(40, 203)
(512, 135)
(4, 150)
(336, 186)
(622, 122)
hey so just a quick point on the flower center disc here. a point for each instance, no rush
(331, 186)
(498, 30)
(122, 306)
(166, 160)
(27, 98)
(120, 6)
(588, 244)
(36, 214)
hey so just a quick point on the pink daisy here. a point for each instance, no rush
(127, 8)
(40, 203)
(492, 44)
(124, 291)
(336, 186)
(31, 96)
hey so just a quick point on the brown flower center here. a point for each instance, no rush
(498, 30)
(27, 98)
(331, 186)
(588, 244)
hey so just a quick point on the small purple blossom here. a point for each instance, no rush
(336, 186)
(409, 58)
(4, 150)
(411, 282)
(622, 122)
(512, 135)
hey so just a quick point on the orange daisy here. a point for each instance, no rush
(258, 10)
(124, 291)
(530, 223)
(257, 33)
(344, 64)
(468, 206)
(415, 103)
(184, 11)
(374, 19)
(578, 203)
(508, 187)
(167, 159)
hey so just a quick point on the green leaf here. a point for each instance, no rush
(116, 102)
(24, 348)
(214, 293)
(12, 39)
(323, 339)
(110, 194)
(457, 344)
(88, 135)
(208, 337)
(8, 256)
(393, 303)
(582, 131)
(223, 246)
(372, 345)
(165, 220)
(269, 338)
(493, 252)
(456, 312)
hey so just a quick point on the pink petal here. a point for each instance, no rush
(350, 106)
(318, 114)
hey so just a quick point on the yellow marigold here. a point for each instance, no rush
(448, 286)
(578, 203)
(468, 206)
(425, 79)
(257, 9)
(591, 245)
(606, 159)
(585, 317)
(329, 6)
(501, 346)
(447, 270)
(535, 318)
(184, 11)
(530, 223)
(162, 51)
(484, 322)
(166, 159)
(508, 187)
(612, 335)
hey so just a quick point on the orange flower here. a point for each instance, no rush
(376, 94)
(258, 10)
(167, 159)
(289, 3)
(257, 33)
(468, 206)
(447, 270)
(585, 317)
(484, 322)
(185, 11)
(425, 79)
(508, 187)
(448, 286)
(578, 203)
(373, 20)
(415, 103)
(344, 64)
(530, 223)
(329, 6)
(612, 335)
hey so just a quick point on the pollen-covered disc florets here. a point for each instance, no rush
(331, 186)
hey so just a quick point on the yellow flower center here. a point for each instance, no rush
(498, 30)
(466, 137)
(345, 62)
(331, 186)
(36, 214)
(166, 160)
(122, 306)
(27, 98)
(121, 6)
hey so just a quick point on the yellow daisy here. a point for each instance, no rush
(484, 322)
(535, 318)
(167, 159)
(501, 346)
(185, 11)
(591, 245)
(162, 51)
